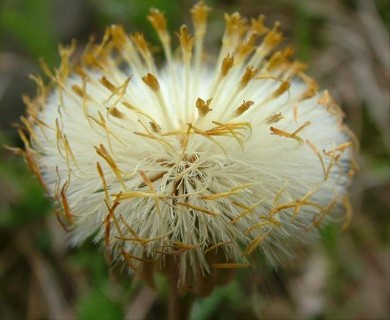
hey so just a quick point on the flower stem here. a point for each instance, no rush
(180, 303)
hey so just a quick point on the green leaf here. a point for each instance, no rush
(28, 201)
(30, 22)
(98, 306)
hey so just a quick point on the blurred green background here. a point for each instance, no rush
(345, 42)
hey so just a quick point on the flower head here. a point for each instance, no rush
(201, 160)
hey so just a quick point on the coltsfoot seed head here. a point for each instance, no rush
(199, 162)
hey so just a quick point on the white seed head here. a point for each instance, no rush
(200, 161)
